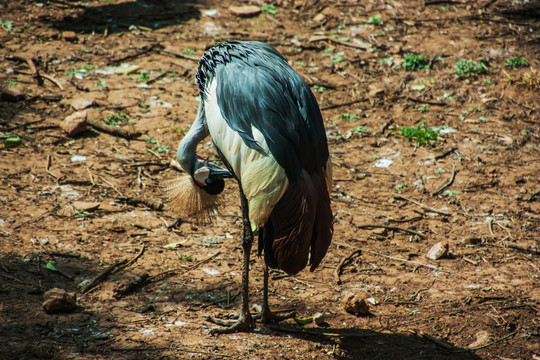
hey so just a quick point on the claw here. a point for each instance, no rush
(244, 323)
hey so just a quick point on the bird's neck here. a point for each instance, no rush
(186, 153)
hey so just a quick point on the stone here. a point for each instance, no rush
(74, 123)
(69, 36)
(82, 103)
(355, 304)
(245, 11)
(85, 205)
(59, 300)
(438, 251)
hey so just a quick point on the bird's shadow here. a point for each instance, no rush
(118, 17)
(353, 343)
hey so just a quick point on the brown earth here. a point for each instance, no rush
(91, 202)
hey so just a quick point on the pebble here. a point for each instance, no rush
(74, 123)
(438, 251)
(356, 304)
(245, 11)
(59, 300)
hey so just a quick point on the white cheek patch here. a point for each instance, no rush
(201, 175)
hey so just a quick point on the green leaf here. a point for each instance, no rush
(12, 141)
(303, 321)
(50, 266)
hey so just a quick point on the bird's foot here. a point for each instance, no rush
(269, 317)
(244, 323)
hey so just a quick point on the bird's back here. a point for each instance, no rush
(267, 127)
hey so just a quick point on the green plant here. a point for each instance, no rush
(336, 59)
(400, 186)
(115, 119)
(143, 76)
(419, 134)
(375, 20)
(269, 9)
(149, 140)
(423, 108)
(450, 193)
(516, 62)
(11, 82)
(7, 25)
(414, 62)
(468, 68)
(352, 117)
(360, 129)
(102, 84)
(439, 170)
(189, 52)
(319, 88)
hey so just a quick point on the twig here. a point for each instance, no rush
(53, 80)
(491, 343)
(14, 279)
(189, 268)
(137, 282)
(111, 185)
(135, 258)
(437, 103)
(533, 195)
(344, 262)
(143, 51)
(490, 227)
(153, 204)
(397, 196)
(102, 275)
(21, 125)
(98, 125)
(39, 217)
(31, 64)
(435, 193)
(394, 228)
(181, 56)
(441, 343)
(343, 104)
(162, 75)
(438, 2)
(444, 154)
(392, 257)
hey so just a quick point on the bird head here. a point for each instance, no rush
(210, 177)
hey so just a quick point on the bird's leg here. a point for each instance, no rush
(268, 316)
(245, 321)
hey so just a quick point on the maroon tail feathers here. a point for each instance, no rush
(303, 224)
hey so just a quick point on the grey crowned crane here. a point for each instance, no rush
(268, 130)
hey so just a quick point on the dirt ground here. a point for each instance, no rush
(75, 207)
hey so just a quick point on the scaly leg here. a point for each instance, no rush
(245, 321)
(267, 315)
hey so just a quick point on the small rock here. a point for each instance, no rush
(319, 319)
(74, 123)
(482, 338)
(355, 304)
(438, 251)
(85, 205)
(82, 103)
(245, 11)
(319, 18)
(51, 34)
(59, 300)
(11, 94)
(69, 36)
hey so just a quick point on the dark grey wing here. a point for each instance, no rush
(266, 93)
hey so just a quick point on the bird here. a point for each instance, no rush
(267, 128)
